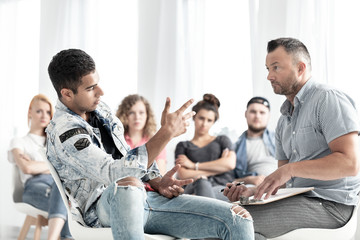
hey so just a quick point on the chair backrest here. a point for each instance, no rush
(81, 232)
(17, 184)
(58, 183)
(77, 230)
(18, 190)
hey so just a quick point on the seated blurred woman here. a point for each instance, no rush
(40, 189)
(209, 160)
(139, 123)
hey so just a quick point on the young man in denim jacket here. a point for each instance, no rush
(255, 148)
(110, 185)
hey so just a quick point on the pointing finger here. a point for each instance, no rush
(165, 111)
(185, 106)
(183, 182)
(189, 115)
(173, 170)
(167, 105)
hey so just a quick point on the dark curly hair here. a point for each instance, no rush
(68, 67)
(210, 103)
(123, 112)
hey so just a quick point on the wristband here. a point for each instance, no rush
(196, 166)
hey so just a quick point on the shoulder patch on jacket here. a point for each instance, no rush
(72, 132)
(81, 144)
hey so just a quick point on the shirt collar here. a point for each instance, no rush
(299, 99)
(61, 106)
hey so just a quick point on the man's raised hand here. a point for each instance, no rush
(176, 122)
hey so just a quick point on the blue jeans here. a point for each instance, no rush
(130, 211)
(41, 192)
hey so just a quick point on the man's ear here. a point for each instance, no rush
(67, 94)
(301, 68)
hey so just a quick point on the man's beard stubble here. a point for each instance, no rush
(256, 130)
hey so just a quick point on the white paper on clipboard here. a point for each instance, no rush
(281, 194)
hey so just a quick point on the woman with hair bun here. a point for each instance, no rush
(209, 160)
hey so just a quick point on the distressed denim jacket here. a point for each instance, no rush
(75, 150)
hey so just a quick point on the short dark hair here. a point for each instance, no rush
(68, 67)
(292, 46)
(260, 100)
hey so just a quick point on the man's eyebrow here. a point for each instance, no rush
(94, 85)
(271, 64)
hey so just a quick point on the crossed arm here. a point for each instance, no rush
(27, 165)
(223, 164)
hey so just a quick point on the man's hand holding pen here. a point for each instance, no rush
(234, 191)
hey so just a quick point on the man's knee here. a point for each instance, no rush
(130, 181)
(240, 211)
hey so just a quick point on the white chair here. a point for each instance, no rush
(79, 231)
(346, 232)
(34, 216)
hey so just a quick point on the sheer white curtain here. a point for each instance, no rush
(32, 31)
(347, 48)
(19, 47)
(196, 47)
(312, 22)
(105, 29)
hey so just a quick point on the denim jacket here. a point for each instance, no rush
(75, 150)
(241, 155)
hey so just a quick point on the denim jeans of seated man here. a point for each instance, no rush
(130, 211)
(41, 192)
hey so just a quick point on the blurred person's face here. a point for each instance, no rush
(40, 114)
(137, 116)
(204, 120)
(257, 116)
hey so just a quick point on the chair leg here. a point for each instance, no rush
(29, 220)
(40, 222)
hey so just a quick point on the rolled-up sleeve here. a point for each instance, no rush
(337, 116)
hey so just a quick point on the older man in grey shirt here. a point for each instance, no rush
(316, 146)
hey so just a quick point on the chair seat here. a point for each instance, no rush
(34, 217)
(346, 232)
(80, 232)
(29, 210)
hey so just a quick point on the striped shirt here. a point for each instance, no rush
(320, 114)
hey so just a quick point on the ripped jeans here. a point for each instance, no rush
(131, 211)
(41, 192)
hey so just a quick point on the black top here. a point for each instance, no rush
(106, 138)
(210, 152)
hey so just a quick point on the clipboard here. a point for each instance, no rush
(281, 194)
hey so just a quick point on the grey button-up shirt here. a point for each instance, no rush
(320, 114)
